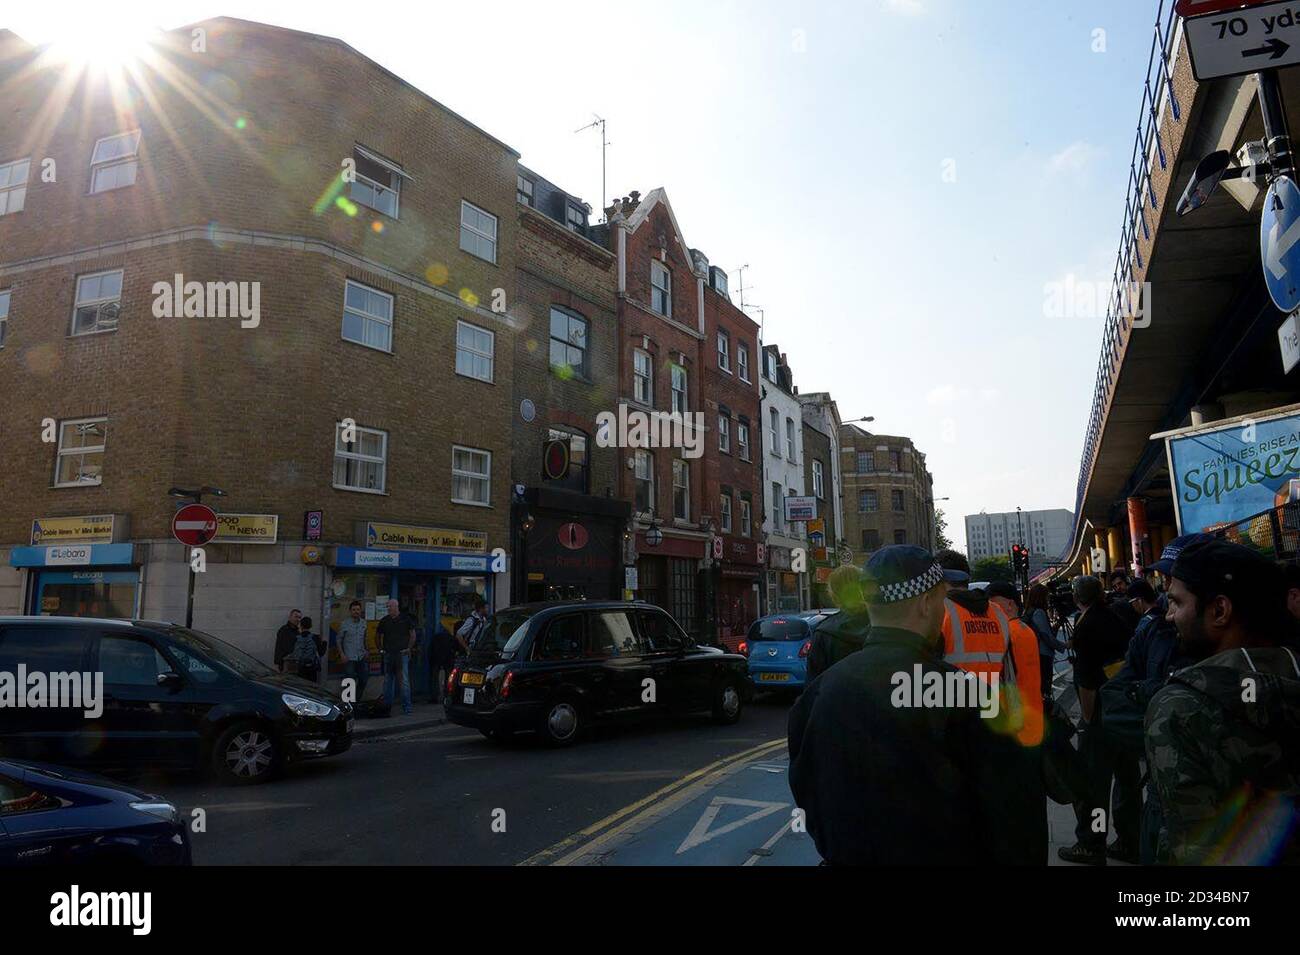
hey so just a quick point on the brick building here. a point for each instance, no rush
(733, 470)
(821, 456)
(375, 297)
(568, 525)
(888, 492)
(661, 332)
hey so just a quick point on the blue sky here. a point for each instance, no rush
(902, 177)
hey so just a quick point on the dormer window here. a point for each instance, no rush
(575, 218)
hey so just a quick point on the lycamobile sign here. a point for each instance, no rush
(1227, 472)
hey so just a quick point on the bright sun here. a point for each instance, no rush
(107, 45)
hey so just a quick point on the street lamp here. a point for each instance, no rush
(868, 419)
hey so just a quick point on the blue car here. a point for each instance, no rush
(54, 816)
(777, 647)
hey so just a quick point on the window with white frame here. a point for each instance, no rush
(13, 185)
(471, 475)
(681, 490)
(524, 190)
(80, 458)
(645, 481)
(774, 431)
(378, 182)
(478, 231)
(789, 439)
(661, 288)
(679, 389)
(742, 440)
(642, 377)
(819, 486)
(367, 316)
(4, 314)
(360, 458)
(724, 351)
(114, 162)
(724, 433)
(742, 361)
(568, 342)
(746, 518)
(98, 302)
(778, 505)
(725, 514)
(474, 351)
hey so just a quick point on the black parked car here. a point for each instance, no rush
(53, 816)
(173, 697)
(555, 667)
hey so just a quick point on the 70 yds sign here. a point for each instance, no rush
(1242, 41)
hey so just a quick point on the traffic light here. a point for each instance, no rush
(1020, 561)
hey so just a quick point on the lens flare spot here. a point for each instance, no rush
(376, 226)
(562, 372)
(469, 298)
(241, 123)
(214, 237)
(532, 346)
(437, 274)
(346, 204)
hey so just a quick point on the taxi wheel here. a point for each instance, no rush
(727, 703)
(561, 722)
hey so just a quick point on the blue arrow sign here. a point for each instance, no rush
(1279, 243)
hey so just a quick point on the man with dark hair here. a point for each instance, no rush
(286, 637)
(1221, 737)
(885, 780)
(1099, 640)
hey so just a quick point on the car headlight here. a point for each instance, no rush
(305, 707)
(163, 810)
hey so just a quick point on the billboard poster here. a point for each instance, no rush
(1228, 472)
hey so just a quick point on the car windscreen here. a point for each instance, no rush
(779, 628)
(217, 651)
(503, 632)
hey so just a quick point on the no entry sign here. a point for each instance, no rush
(1196, 8)
(194, 525)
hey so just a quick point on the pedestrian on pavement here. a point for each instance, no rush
(843, 633)
(472, 627)
(352, 648)
(882, 780)
(397, 636)
(308, 650)
(285, 638)
(442, 660)
(1037, 606)
(1221, 737)
(1100, 641)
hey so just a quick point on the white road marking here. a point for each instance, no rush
(770, 843)
(700, 833)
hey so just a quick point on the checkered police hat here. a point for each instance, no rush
(901, 572)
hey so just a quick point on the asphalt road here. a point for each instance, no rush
(432, 796)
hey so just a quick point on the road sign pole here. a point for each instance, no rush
(189, 598)
(1277, 136)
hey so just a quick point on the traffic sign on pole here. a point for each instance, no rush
(1236, 42)
(1279, 243)
(194, 525)
(1197, 8)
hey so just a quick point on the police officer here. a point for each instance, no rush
(884, 781)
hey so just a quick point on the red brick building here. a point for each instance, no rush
(733, 471)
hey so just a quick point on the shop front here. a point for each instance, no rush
(785, 590)
(435, 588)
(738, 580)
(667, 575)
(80, 567)
(570, 546)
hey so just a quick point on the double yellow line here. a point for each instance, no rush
(582, 842)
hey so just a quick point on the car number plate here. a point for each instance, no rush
(773, 677)
(469, 695)
(471, 679)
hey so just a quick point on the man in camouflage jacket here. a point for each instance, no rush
(1223, 737)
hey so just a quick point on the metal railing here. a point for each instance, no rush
(1275, 533)
(1148, 148)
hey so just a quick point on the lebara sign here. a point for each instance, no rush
(1226, 473)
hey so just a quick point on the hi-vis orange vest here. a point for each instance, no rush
(978, 643)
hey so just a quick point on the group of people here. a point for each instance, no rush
(299, 650)
(1187, 682)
